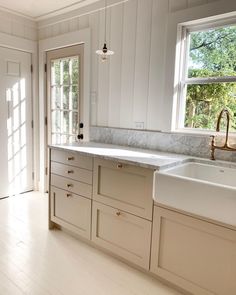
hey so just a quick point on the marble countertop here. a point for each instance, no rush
(144, 158)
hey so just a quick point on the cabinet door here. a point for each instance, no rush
(123, 186)
(123, 234)
(196, 255)
(71, 211)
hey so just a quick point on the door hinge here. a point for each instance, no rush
(46, 171)
(32, 124)
(45, 68)
(33, 175)
(46, 121)
(31, 68)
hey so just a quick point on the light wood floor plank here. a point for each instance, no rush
(36, 261)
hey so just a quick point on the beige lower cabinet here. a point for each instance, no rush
(71, 211)
(123, 234)
(196, 255)
(123, 186)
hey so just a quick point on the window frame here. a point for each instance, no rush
(183, 43)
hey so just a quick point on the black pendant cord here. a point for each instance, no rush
(105, 31)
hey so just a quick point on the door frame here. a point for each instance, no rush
(29, 46)
(65, 40)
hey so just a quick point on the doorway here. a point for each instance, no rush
(16, 124)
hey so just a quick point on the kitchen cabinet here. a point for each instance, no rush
(121, 233)
(196, 255)
(123, 186)
(71, 191)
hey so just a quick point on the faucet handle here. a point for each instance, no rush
(212, 139)
(212, 147)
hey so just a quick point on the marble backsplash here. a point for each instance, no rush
(187, 144)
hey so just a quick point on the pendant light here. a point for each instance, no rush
(104, 53)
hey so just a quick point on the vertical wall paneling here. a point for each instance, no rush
(128, 63)
(17, 30)
(103, 73)
(142, 61)
(55, 30)
(64, 27)
(157, 64)
(94, 25)
(18, 26)
(74, 24)
(5, 24)
(115, 62)
(175, 5)
(192, 3)
(83, 22)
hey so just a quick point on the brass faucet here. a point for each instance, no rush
(225, 146)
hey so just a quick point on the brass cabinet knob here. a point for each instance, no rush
(118, 213)
(119, 166)
(69, 185)
(70, 171)
(70, 158)
(68, 195)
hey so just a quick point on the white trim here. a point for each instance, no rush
(31, 47)
(65, 40)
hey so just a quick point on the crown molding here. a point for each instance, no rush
(74, 6)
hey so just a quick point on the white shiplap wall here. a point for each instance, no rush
(130, 88)
(18, 26)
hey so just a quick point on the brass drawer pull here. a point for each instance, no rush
(69, 185)
(68, 195)
(119, 166)
(118, 213)
(70, 158)
(70, 171)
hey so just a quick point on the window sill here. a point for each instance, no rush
(203, 133)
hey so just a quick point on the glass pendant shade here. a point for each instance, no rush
(104, 53)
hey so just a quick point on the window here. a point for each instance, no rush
(208, 77)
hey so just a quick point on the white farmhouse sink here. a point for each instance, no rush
(205, 190)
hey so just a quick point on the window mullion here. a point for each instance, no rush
(210, 80)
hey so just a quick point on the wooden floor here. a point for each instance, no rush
(36, 261)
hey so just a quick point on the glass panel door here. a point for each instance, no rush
(64, 94)
(64, 100)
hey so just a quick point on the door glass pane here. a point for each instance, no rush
(75, 95)
(66, 122)
(75, 72)
(55, 72)
(75, 122)
(66, 93)
(65, 73)
(64, 100)
(56, 97)
(56, 121)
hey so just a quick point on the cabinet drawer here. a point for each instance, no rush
(71, 211)
(123, 234)
(123, 186)
(196, 255)
(72, 158)
(79, 188)
(72, 172)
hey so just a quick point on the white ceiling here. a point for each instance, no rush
(35, 9)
